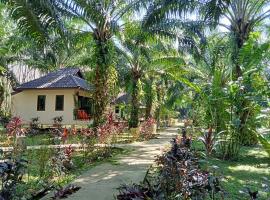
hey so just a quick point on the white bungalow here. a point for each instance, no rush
(61, 93)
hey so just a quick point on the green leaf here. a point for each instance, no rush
(2, 69)
(265, 143)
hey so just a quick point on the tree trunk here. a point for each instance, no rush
(148, 110)
(2, 97)
(103, 57)
(134, 114)
(158, 109)
(149, 99)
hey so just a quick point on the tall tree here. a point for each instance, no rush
(135, 56)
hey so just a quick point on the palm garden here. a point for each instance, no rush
(200, 66)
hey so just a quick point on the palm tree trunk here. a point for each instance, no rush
(149, 100)
(103, 58)
(148, 110)
(2, 97)
(158, 109)
(134, 114)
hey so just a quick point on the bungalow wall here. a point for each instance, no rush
(24, 105)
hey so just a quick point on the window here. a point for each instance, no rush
(59, 102)
(117, 109)
(41, 101)
(86, 104)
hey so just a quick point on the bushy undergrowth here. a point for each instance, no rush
(177, 176)
(148, 129)
(31, 173)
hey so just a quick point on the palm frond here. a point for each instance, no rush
(164, 9)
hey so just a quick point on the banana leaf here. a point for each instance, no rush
(265, 143)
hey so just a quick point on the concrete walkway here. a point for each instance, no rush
(102, 181)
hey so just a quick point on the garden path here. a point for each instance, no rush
(102, 181)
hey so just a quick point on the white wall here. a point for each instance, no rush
(24, 105)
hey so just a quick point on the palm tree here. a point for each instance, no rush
(101, 19)
(134, 55)
(243, 17)
(148, 58)
(212, 73)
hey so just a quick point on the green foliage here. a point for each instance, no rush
(150, 95)
(12, 172)
(265, 143)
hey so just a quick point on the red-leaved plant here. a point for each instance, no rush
(209, 141)
(109, 129)
(147, 128)
(68, 151)
(105, 131)
(14, 127)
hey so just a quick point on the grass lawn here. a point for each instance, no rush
(248, 171)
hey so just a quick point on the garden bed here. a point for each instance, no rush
(39, 175)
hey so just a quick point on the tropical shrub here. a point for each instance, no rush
(57, 122)
(265, 143)
(178, 176)
(11, 173)
(209, 141)
(105, 134)
(134, 191)
(67, 161)
(14, 127)
(228, 145)
(60, 162)
(184, 140)
(89, 139)
(34, 124)
(148, 128)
